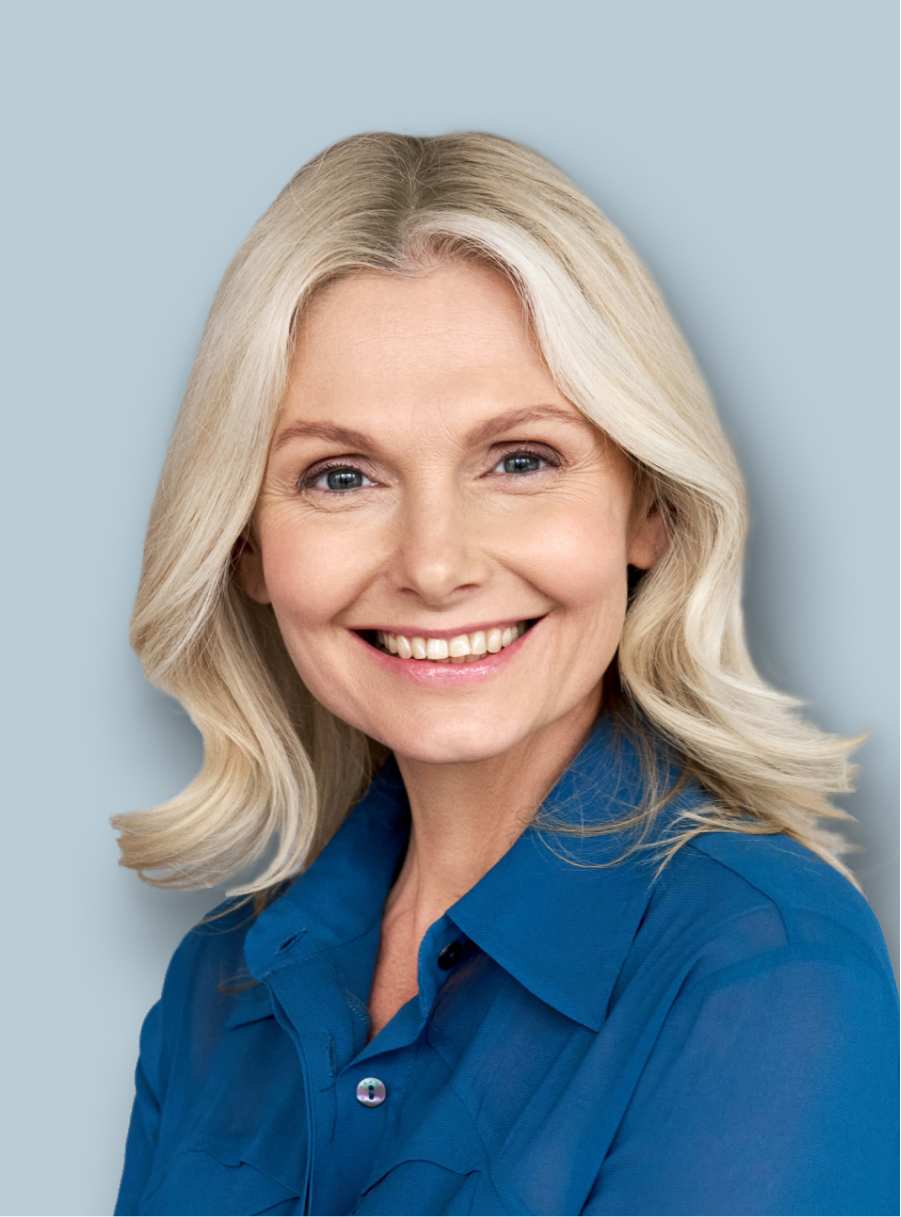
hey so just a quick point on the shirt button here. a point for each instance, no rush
(371, 1092)
(449, 956)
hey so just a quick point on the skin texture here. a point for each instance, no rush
(439, 379)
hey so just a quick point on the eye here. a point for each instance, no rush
(337, 478)
(523, 462)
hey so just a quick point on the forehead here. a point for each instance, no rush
(456, 335)
(468, 302)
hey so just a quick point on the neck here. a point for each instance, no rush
(466, 816)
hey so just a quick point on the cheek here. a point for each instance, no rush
(578, 559)
(312, 576)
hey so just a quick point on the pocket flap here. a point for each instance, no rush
(418, 1186)
(194, 1182)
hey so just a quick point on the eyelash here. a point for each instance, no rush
(311, 477)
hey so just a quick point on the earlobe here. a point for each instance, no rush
(248, 567)
(649, 541)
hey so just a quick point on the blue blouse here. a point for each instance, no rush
(585, 1039)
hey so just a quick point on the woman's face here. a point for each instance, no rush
(429, 490)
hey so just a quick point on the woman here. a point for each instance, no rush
(448, 519)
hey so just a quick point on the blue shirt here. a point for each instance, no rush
(719, 1040)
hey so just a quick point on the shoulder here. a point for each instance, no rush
(207, 988)
(211, 954)
(760, 985)
(743, 896)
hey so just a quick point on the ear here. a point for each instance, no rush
(649, 538)
(248, 565)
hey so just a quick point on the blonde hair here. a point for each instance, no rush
(278, 765)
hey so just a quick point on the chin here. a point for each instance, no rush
(458, 743)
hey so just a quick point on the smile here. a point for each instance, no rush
(459, 649)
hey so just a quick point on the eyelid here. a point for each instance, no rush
(539, 447)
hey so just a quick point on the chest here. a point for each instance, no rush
(494, 1103)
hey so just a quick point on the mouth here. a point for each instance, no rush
(456, 649)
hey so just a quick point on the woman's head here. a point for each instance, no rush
(449, 279)
(428, 485)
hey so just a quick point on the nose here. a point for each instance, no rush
(439, 556)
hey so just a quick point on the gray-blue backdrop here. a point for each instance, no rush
(746, 148)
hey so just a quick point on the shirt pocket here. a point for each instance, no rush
(419, 1186)
(195, 1183)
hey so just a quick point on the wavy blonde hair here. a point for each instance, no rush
(278, 765)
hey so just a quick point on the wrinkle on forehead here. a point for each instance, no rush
(424, 306)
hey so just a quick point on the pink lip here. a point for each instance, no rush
(417, 632)
(445, 675)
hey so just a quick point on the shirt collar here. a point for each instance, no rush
(342, 895)
(558, 912)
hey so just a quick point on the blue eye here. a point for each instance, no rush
(520, 462)
(343, 478)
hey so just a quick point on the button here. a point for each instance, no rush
(371, 1092)
(450, 956)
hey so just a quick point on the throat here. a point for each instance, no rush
(395, 978)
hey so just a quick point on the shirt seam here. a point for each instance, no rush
(865, 953)
(770, 961)
(696, 849)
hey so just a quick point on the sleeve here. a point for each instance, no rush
(143, 1129)
(770, 1090)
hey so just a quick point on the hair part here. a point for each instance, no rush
(277, 764)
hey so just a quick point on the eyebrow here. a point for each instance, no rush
(519, 418)
(492, 426)
(326, 431)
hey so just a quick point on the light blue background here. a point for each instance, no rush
(747, 149)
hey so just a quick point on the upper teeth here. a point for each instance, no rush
(462, 648)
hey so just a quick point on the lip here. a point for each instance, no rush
(422, 672)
